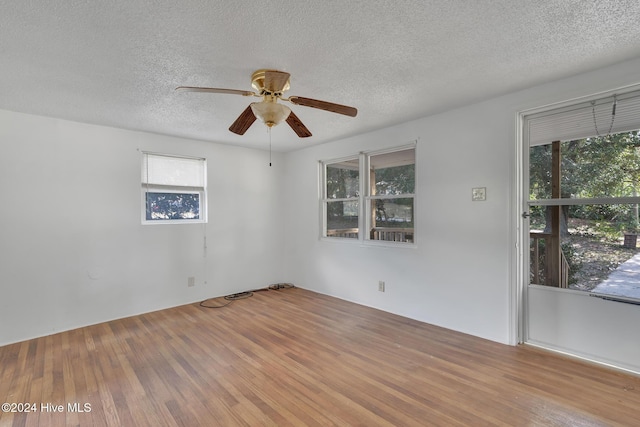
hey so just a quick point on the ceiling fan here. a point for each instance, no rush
(271, 85)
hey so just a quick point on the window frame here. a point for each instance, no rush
(150, 188)
(325, 200)
(573, 120)
(368, 197)
(365, 197)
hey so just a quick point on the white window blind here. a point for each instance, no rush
(577, 121)
(158, 169)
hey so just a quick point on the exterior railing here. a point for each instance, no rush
(564, 271)
(343, 232)
(535, 238)
(392, 234)
(387, 234)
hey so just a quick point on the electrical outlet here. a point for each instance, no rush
(191, 281)
(381, 285)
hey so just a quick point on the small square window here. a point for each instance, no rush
(173, 189)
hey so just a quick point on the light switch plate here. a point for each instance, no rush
(479, 194)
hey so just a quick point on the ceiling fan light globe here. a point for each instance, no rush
(270, 113)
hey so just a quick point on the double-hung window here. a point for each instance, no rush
(390, 195)
(173, 189)
(341, 204)
(370, 197)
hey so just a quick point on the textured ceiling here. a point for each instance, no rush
(117, 62)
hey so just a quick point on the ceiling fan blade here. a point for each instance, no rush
(324, 105)
(297, 126)
(243, 122)
(214, 90)
(275, 81)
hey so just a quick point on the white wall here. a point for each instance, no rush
(73, 251)
(62, 268)
(462, 274)
(460, 264)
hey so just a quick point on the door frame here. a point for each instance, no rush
(519, 294)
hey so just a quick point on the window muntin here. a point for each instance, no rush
(173, 189)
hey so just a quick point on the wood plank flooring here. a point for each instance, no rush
(296, 358)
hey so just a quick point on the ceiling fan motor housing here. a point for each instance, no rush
(278, 82)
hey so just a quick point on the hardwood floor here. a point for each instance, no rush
(294, 358)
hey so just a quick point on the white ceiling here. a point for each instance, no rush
(117, 62)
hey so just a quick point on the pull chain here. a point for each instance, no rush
(269, 130)
(613, 116)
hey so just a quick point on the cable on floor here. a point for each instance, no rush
(246, 294)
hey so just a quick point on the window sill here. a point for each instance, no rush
(369, 243)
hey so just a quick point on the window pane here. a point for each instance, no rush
(393, 212)
(598, 249)
(540, 172)
(393, 173)
(342, 219)
(591, 167)
(393, 220)
(343, 180)
(172, 206)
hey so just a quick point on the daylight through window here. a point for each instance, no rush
(373, 192)
(584, 183)
(173, 189)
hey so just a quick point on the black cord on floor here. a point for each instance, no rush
(246, 294)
